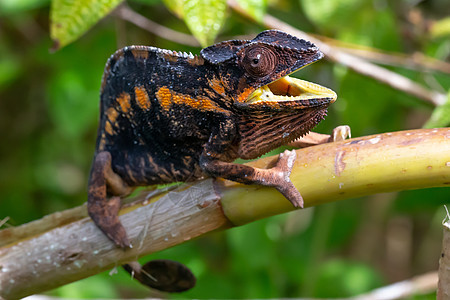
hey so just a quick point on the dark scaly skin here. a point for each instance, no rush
(168, 117)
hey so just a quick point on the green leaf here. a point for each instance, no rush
(204, 18)
(255, 8)
(441, 28)
(71, 18)
(176, 6)
(440, 116)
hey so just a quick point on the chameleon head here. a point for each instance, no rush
(262, 66)
(273, 107)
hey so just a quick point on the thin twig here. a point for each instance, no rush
(422, 284)
(3, 222)
(416, 61)
(359, 65)
(126, 13)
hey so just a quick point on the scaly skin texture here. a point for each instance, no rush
(168, 117)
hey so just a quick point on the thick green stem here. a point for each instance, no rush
(382, 163)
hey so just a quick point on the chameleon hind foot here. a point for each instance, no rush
(104, 212)
(105, 216)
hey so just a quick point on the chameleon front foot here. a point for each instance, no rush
(278, 177)
(282, 172)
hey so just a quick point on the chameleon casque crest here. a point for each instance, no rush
(167, 116)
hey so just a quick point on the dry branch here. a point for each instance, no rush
(69, 250)
(422, 284)
(416, 61)
(126, 13)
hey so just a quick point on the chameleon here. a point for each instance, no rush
(168, 116)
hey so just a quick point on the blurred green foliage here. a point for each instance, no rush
(204, 18)
(70, 19)
(440, 116)
(48, 119)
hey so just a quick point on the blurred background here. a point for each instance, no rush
(48, 121)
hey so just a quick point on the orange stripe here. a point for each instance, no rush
(166, 98)
(108, 128)
(101, 146)
(124, 102)
(112, 114)
(217, 86)
(142, 97)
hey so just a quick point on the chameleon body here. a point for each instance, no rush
(167, 116)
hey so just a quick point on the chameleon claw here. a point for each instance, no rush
(292, 194)
(341, 133)
(285, 186)
(106, 218)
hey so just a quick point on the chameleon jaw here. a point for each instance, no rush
(289, 89)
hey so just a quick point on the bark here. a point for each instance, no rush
(77, 250)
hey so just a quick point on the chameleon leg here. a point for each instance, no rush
(104, 212)
(277, 177)
(164, 275)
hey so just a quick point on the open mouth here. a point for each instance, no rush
(287, 89)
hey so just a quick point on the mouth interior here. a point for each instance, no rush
(290, 89)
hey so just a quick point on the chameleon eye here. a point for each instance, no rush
(255, 61)
(259, 60)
